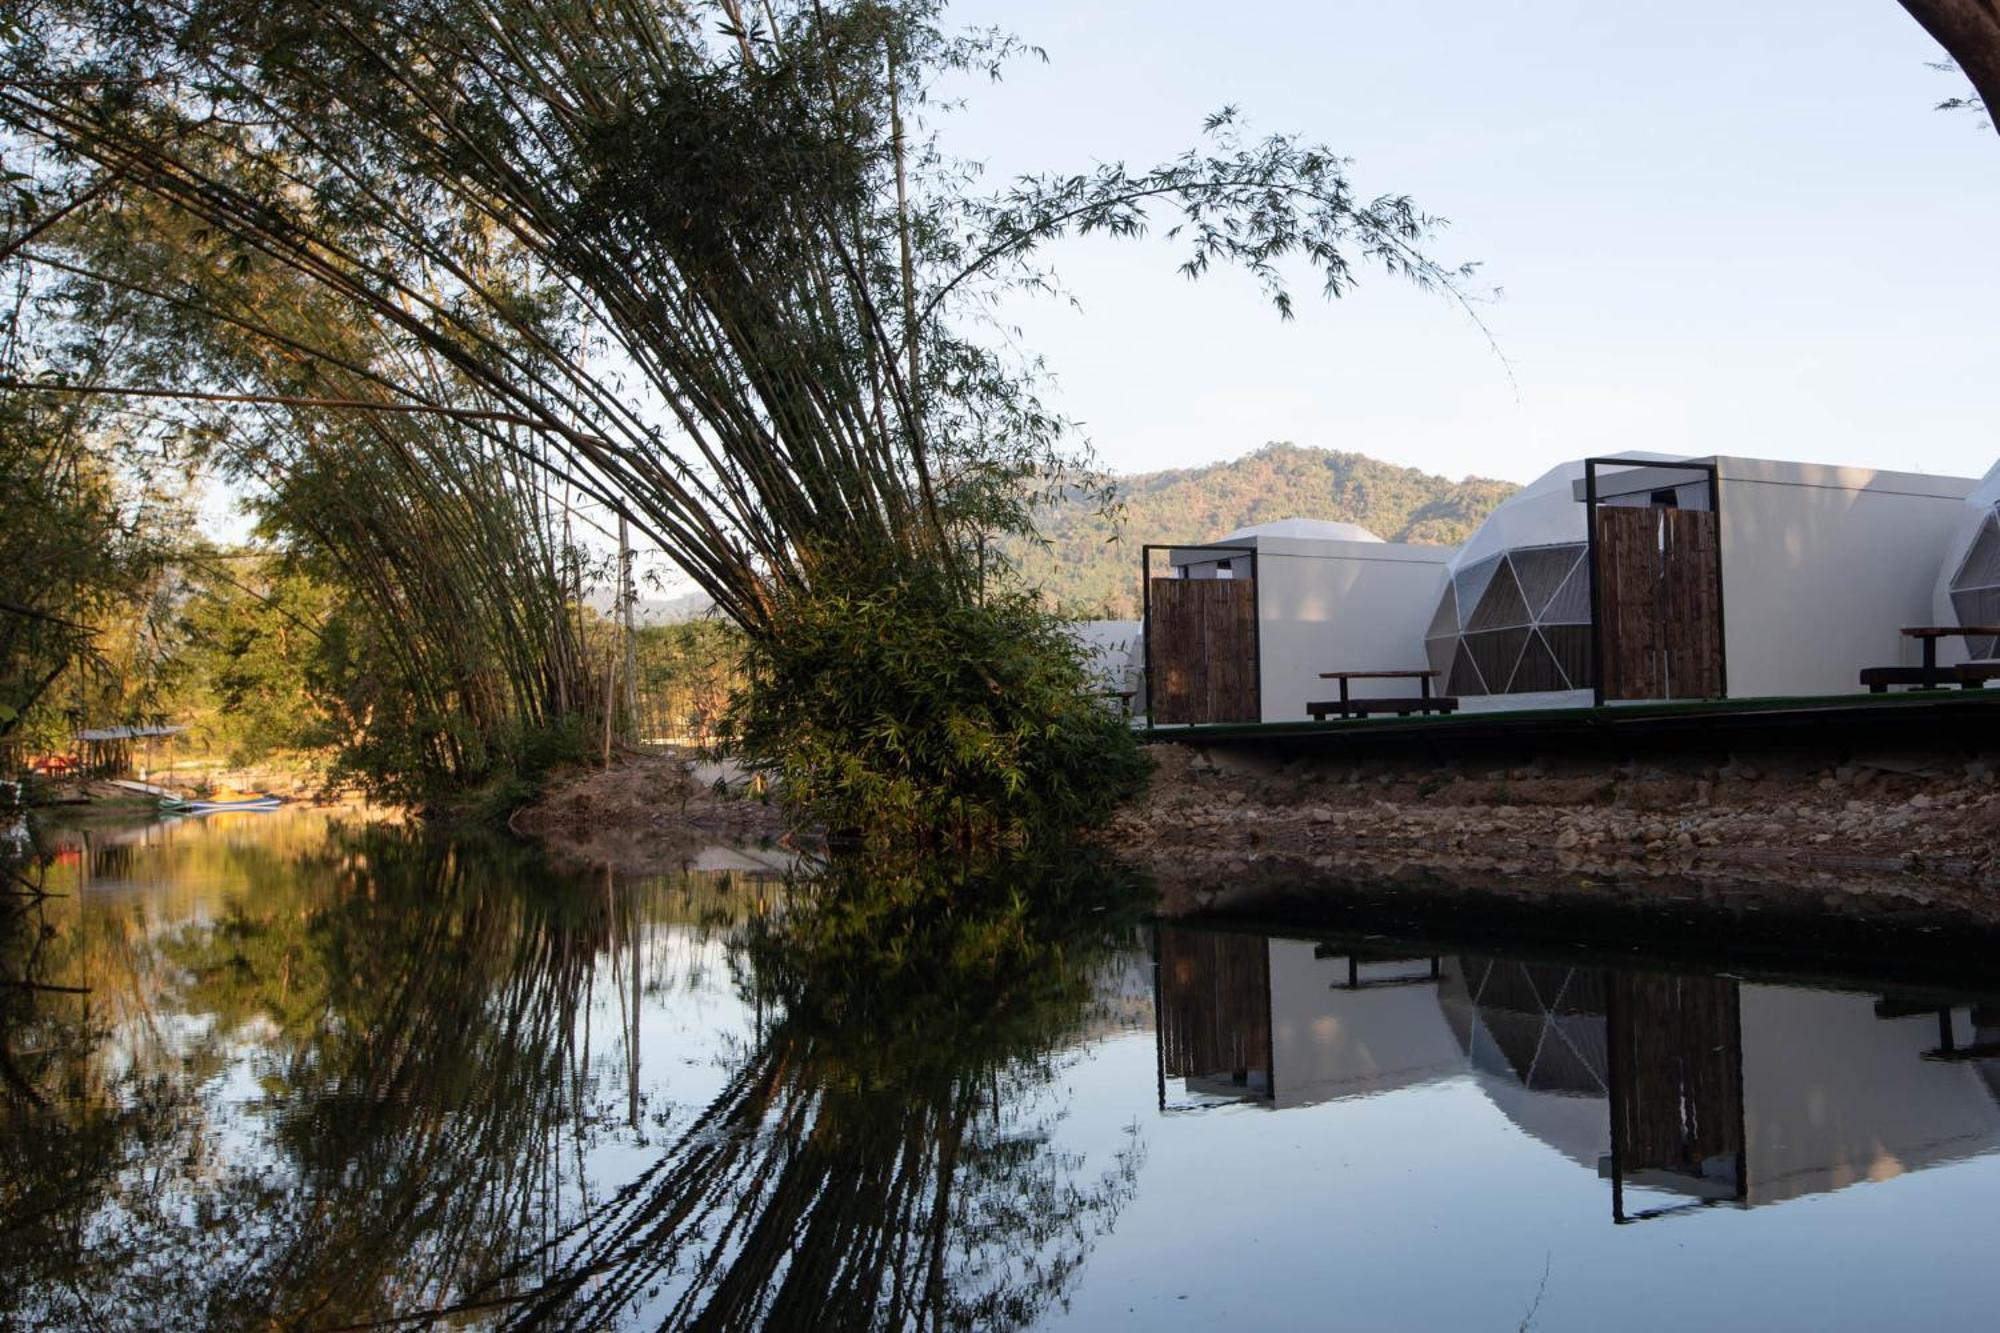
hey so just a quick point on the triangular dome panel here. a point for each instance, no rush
(1471, 585)
(1502, 606)
(1541, 571)
(1496, 651)
(1464, 678)
(1537, 669)
(1981, 566)
(1445, 622)
(1570, 645)
(1571, 603)
(1978, 606)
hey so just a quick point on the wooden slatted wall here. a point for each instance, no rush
(1659, 603)
(1203, 643)
(1691, 581)
(1631, 662)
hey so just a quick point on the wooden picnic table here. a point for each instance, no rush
(1928, 635)
(1423, 675)
(1426, 702)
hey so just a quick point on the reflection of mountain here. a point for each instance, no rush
(1685, 1088)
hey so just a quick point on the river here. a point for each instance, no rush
(289, 1071)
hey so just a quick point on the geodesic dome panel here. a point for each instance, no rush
(1517, 622)
(1968, 582)
(1975, 586)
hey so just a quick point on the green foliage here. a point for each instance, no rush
(418, 263)
(903, 712)
(1088, 560)
(944, 961)
(687, 673)
(79, 562)
(249, 659)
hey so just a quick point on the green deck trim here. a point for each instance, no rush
(1610, 717)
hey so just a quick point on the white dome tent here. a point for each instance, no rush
(1515, 616)
(1968, 586)
(1306, 529)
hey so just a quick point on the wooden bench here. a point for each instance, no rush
(1402, 706)
(1969, 675)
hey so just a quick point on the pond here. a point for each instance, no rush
(309, 1074)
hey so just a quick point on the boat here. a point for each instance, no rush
(190, 805)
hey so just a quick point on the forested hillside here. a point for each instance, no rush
(1082, 568)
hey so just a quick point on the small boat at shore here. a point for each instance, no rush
(190, 805)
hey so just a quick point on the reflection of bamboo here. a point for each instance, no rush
(423, 1091)
(426, 1062)
(828, 1186)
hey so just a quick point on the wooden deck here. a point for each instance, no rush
(1955, 718)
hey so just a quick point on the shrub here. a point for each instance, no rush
(902, 712)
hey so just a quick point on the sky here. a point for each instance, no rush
(1715, 227)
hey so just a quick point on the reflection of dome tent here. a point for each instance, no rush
(1968, 589)
(1535, 1036)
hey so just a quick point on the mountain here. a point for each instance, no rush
(1090, 563)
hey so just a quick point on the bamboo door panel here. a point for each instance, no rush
(1659, 603)
(1631, 662)
(1204, 650)
(1691, 580)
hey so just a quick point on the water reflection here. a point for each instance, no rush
(324, 1076)
(1680, 1090)
(329, 1076)
(883, 1155)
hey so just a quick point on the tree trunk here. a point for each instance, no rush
(1969, 30)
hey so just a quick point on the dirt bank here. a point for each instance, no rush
(646, 807)
(1905, 839)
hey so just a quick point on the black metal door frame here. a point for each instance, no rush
(1713, 475)
(1146, 610)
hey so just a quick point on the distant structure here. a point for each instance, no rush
(114, 752)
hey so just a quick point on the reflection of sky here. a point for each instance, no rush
(1421, 1207)
(1426, 1208)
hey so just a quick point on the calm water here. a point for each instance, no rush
(326, 1077)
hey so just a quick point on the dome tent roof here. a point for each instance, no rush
(1545, 512)
(1308, 529)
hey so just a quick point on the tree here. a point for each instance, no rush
(1970, 31)
(726, 283)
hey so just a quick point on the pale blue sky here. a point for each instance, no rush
(1720, 227)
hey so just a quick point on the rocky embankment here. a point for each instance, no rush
(1901, 838)
(646, 806)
